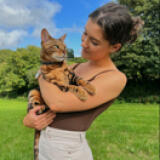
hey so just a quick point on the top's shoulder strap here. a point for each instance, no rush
(75, 66)
(91, 79)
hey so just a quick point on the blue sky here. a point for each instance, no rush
(22, 20)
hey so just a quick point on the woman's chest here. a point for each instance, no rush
(87, 73)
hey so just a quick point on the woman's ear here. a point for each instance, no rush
(116, 47)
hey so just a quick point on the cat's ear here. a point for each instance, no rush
(63, 37)
(45, 35)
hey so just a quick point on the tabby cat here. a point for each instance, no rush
(55, 70)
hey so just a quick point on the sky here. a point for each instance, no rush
(21, 21)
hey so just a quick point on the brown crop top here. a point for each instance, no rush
(80, 121)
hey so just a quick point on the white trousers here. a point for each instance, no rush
(57, 144)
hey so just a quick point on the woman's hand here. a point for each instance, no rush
(32, 120)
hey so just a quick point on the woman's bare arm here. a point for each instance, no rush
(108, 87)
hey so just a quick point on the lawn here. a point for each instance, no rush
(123, 132)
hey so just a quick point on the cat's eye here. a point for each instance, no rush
(56, 46)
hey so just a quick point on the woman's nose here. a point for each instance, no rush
(84, 43)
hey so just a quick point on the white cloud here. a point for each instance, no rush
(11, 38)
(20, 18)
(30, 13)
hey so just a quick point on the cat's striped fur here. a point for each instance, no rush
(55, 70)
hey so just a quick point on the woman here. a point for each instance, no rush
(107, 30)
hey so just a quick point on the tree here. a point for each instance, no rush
(70, 53)
(18, 69)
(141, 60)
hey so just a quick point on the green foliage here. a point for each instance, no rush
(122, 132)
(77, 60)
(18, 69)
(141, 60)
(141, 92)
(4, 55)
(70, 53)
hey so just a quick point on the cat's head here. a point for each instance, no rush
(53, 50)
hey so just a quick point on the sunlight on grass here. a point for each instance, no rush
(123, 132)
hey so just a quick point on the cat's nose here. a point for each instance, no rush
(65, 51)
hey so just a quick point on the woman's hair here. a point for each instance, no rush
(117, 23)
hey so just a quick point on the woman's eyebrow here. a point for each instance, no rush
(93, 38)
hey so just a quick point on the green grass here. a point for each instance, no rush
(123, 132)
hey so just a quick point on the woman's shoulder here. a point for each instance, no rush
(109, 85)
(119, 79)
(113, 72)
(114, 77)
(116, 73)
(121, 75)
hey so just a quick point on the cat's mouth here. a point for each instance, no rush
(59, 58)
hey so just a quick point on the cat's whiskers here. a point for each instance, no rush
(58, 58)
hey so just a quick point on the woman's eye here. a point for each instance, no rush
(94, 43)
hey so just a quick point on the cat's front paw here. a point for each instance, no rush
(81, 95)
(34, 102)
(79, 92)
(90, 89)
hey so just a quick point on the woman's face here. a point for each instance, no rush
(94, 46)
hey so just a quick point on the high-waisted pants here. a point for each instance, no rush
(57, 144)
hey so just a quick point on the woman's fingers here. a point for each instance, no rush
(47, 122)
(46, 115)
(44, 119)
(44, 123)
(39, 122)
(35, 110)
(49, 111)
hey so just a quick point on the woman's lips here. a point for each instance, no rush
(84, 50)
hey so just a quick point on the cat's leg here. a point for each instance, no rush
(36, 144)
(86, 85)
(35, 99)
(74, 79)
(61, 85)
(76, 90)
(49, 76)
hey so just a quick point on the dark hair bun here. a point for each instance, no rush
(117, 23)
(136, 28)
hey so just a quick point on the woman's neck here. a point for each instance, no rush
(103, 63)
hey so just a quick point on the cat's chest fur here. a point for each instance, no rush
(58, 72)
